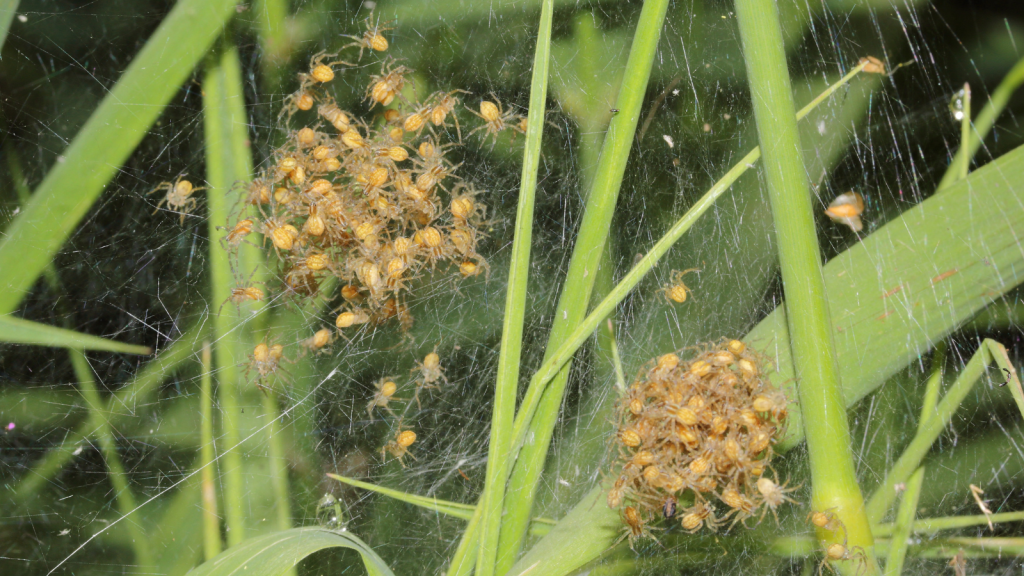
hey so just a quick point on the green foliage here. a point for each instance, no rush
(274, 554)
(599, 224)
(20, 331)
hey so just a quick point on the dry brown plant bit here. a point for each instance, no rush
(700, 430)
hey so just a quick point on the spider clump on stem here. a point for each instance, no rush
(700, 430)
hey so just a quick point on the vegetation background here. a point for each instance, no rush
(93, 431)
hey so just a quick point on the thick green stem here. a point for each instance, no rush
(583, 270)
(108, 446)
(820, 394)
(492, 499)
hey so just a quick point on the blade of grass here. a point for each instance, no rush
(105, 142)
(579, 282)
(600, 312)
(115, 469)
(20, 331)
(278, 461)
(211, 522)
(998, 354)
(227, 161)
(8, 8)
(492, 499)
(929, 430)
(275, 553)
(904, 523)
(455, 509)
(984, 122)
(833, 477)
(908, 505)
(120, 407)
(933, 525)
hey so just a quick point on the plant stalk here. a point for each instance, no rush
(211, 522)
(820, 394)
(583, 270)
(492, 499)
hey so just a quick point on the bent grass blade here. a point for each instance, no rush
(20, 331)
(275, 553)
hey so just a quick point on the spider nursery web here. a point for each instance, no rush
(133, 275)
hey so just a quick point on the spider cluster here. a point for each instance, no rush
(375, 203)
(699, 430)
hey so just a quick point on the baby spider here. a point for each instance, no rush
(242, 229)
(827, 521)
(319, 72)
(496, 119)
(386, 389)
(444, 105)
(429, 372)
(636, 527)
(399, 447)
(372, 39)
(773, 495)
(836, 552)
(241, 294)
(700, 515)
(319, 340)
(389, 83)
(677, 291)
(266, 360)
(178, 197)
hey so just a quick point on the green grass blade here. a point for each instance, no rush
(492, 499)
(105, 142)
(227, 161)
(983, 123)
(833, 477)
(455, 509)
(124, 405)
(583, 270)
(928, 432)
(108, 447)
(904, 524)
(20, 331)
(464, 511)
(275, 553)
(211, 522)
(933, 525)
(871, 347)
(8, 8)
(997, 352)
(585, 533)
